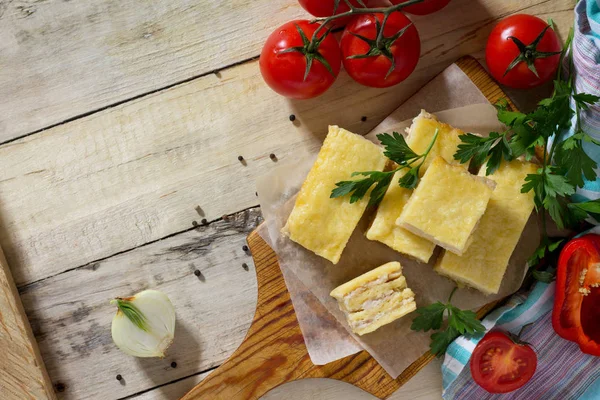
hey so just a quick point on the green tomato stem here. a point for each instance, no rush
(386, 11)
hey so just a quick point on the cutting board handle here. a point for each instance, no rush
(22, 371)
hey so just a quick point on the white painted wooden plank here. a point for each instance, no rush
(135, 173)
(60, 59)
(71, 315)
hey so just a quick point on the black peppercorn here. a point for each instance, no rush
(197, 272)
(204, 221)
(240, 158)
(272, 156)
(173, 364)
(119, 377)
(245, 248)
(363, 119)
(292, 117)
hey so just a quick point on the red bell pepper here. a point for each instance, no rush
(576, 314)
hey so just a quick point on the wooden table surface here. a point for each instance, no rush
(120, 126)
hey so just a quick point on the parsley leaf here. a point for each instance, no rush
(478, 149)
(460, 322)
(430, 317)
(359, 188)
(465, 321)
(584, 100)
(396, 148)
(546, 247)
(575, 161)
(441, 340)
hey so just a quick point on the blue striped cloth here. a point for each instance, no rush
(586, 58)
(564, 372)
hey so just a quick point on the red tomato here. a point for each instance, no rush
(374, 70)
(500, 365)
(324, 8)
(284, 72)
(501, 51)
(424, 8)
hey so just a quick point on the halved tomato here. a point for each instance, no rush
(501, 364)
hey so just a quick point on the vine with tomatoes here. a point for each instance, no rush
(379, 46)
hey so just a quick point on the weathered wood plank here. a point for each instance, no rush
(22, 371)
(60, 59)
(71, 315)
(135, 173)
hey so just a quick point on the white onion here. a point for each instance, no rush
(144, 325)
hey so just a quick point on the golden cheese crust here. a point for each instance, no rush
(484, 263)
(319, 223)
(447, 205)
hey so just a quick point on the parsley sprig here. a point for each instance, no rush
(460, 322)
(564, 163)
(397, 150)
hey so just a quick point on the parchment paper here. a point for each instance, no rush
(311, 278)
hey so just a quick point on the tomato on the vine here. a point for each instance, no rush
(501, 364)
(385, 62)
(294, 66)
(522, 51)
(325, 8)
(423, 8)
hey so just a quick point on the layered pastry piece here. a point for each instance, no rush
(375, 299)
(384, 228)
(447, 205)
(322, 224)
(484, 263)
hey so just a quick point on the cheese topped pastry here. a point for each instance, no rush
(319, 223)
(447, 205)
(421, 133)
(375, 298)
(384, 228)
(484, 263)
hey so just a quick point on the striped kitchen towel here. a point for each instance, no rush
(563, 371)
(586, 60)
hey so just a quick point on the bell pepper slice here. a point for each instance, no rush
(576, 313)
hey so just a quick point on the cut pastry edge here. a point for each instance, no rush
(431, 238)
(375, 298)
(464, 281)
(362, 328)
(372, 277)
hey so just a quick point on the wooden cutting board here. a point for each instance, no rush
(274, 352)
(22, 371)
